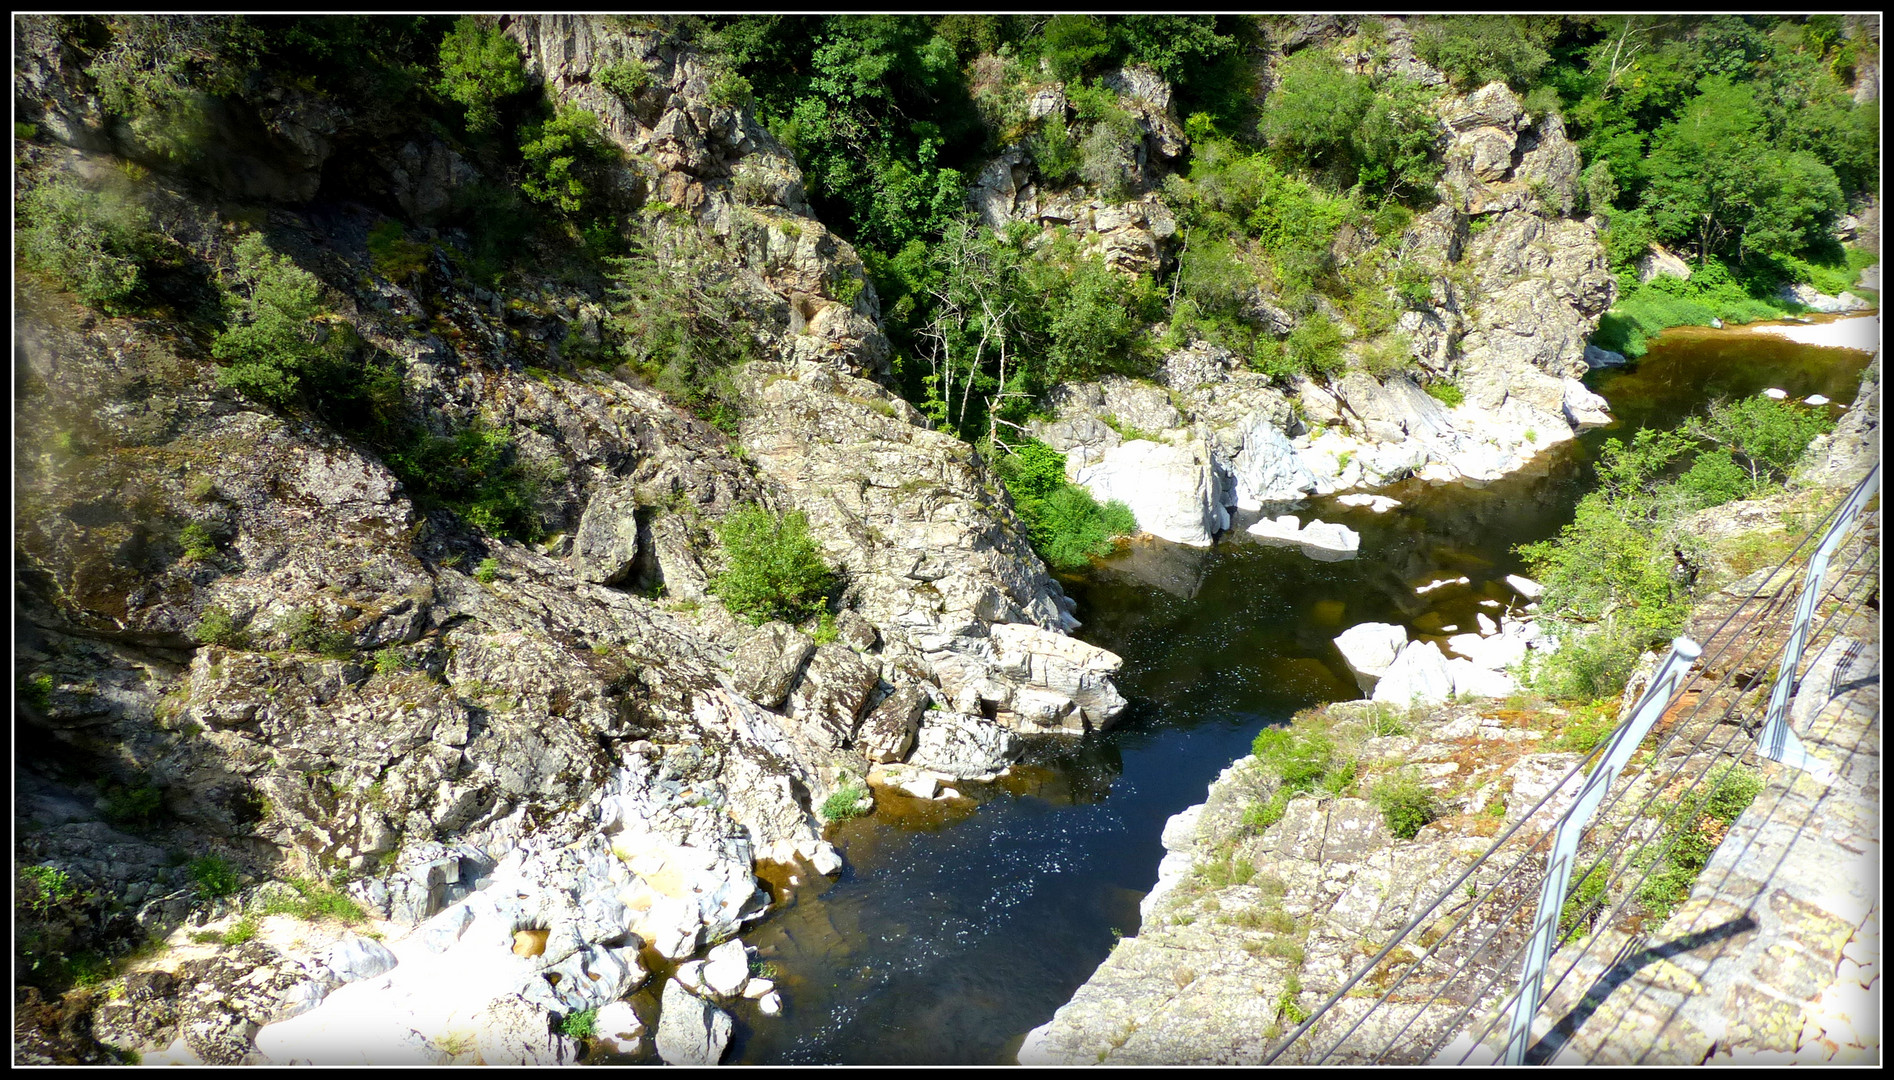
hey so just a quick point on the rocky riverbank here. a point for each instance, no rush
(1265, 904)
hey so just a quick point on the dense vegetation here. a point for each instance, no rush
(1732, 140)
(772, 566)
(1621, 577)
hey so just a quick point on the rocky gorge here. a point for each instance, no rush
(547, 773)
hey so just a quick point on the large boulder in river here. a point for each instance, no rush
(691, 1031)
(1369, 649)
(1418, 676)
(964, 747)
(1171, 489)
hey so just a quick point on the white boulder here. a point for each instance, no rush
(618, 1029)
(726, 969)
(1369, 648)
(1316, 538)
(1266, 468)
(1418, 676)
(1171, 490)
(1380, 504)
(691, 1031)
(1775, 393)
(1525, 586)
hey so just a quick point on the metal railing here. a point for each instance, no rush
(1471, 945)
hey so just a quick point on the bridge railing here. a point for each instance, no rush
(1463, 981)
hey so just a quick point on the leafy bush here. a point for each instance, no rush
(1478, 49)
(1695, 828)
(774, 570)
(36, 690)
(1715, 478)
(216, 627)
(390, 660)
(1315, 111)
(1446, 393)
(273, 338)
(730, 90)
(1589, 726)
(92, 243)
(1315, 346)
(487, 572)
(315, 901)
(844, 802)
(677, 317)
(1768, 435)
(132, 806)
(303, 628)
(213, 876)
(1406, 804)
(159, 73)
(197, 541)
(563, 160)
(480, 67)
(626, 78)
(52, 888)
(579, 1025)
(478, 473)
(1067, 527)
(1585, 900)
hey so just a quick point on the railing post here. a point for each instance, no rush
(1572, 824)
(1777, 741)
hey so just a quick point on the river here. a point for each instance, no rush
(955, 929)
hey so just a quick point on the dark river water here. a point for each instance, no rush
(957, 929)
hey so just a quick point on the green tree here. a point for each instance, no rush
(1314, 114)
(1767, 436)
(94, 244)
(563, 158)
(1394, 141)
(273, 336)
(480, 67)
(773, 568)
(1477, 49)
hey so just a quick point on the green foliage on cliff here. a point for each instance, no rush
(1690, 837)
(1065, 524)
(273, 335)
(477, 472)
(480, 67)
(564, 158)
(1620, 578)
(773, 568)
(92, 242)
(1733, 136)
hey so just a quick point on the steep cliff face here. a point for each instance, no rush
(246, 616)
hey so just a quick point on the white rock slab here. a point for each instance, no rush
(1525, 586)
(1471, 679)
(1775, 394)
(1815, 399)
(691, 1031)
(1171, 490)
(1418, 676)
(1315, 537)
(726, 969)
(1369, 648)
(1380, 504)
(618, 1029)
(1487, 626)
